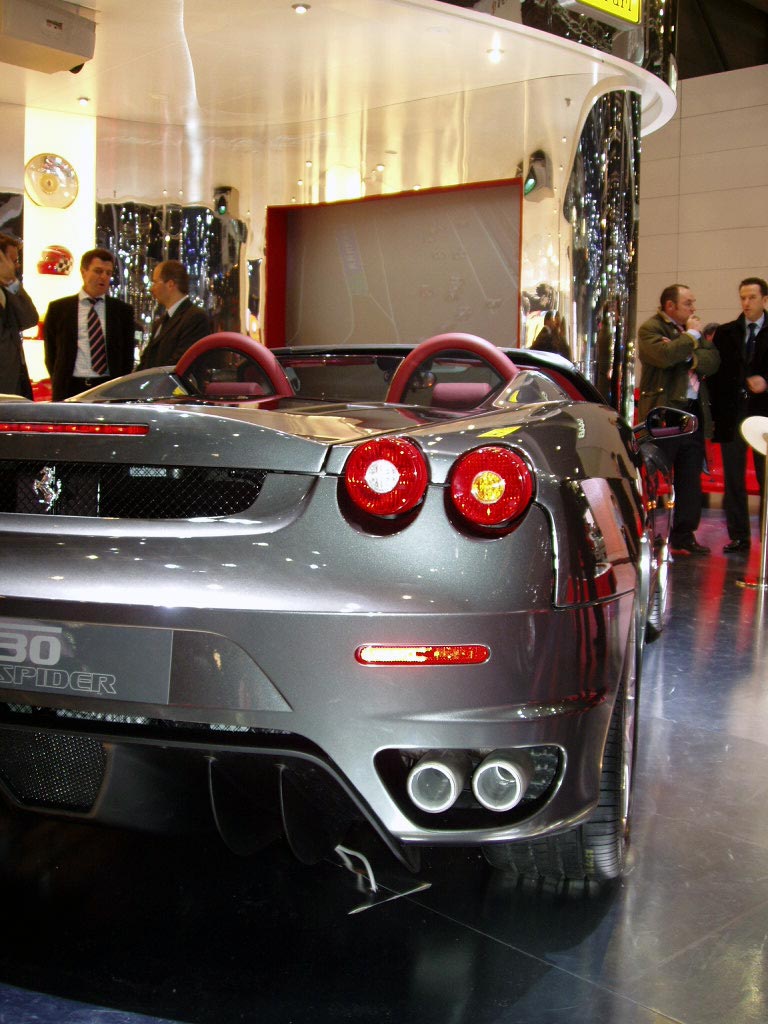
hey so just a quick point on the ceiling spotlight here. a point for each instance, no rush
(83, 100)
(300, 8)
(307, 163)
(379, 168)
(494, 54)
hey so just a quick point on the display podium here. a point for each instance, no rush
(754, 430)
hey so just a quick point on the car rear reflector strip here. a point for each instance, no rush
(124, 429)
(439, 654)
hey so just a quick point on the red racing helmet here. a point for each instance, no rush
(55, 259)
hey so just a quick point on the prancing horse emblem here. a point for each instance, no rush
(47, 487)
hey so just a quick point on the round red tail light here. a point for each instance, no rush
(491, 486)
(386, 476)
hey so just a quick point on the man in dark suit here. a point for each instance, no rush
(17, 314)
(89, 337)
(182, 324)
(740, 389)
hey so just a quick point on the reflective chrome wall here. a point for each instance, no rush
(653, 45)
(209, 246)
(601, 207)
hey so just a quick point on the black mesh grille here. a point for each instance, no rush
(126, 492)
(45, 770)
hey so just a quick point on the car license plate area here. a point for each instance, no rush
(116, 663)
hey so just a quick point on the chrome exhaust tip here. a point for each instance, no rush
(500, 781)
(437, 778)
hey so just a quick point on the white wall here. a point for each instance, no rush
(704, 194)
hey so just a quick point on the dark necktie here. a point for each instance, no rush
(750, 349)
(162, 323)
(96, 341)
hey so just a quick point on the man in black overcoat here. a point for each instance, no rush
(740, 389)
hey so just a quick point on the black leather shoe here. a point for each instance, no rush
(736, 545)
(690, 545)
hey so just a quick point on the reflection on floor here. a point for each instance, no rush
(189, 933)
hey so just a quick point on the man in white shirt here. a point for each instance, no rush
(89, 337)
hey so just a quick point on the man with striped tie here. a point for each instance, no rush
(89, 337)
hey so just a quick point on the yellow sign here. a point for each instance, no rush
(628, 12)
(499, 432)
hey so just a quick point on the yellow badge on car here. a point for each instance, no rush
(499, 432)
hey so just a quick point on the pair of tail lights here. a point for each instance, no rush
(490, 487)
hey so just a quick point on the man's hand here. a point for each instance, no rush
(693, 323)
(757, 385)
(7, 270)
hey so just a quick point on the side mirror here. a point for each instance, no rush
(664, 422)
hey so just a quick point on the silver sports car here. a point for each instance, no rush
(318, 591)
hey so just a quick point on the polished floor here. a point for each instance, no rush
(105, 926)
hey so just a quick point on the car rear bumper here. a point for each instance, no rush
(245, 701)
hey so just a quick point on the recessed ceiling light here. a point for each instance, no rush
(300, 8)
(494, 54)
(83, 100)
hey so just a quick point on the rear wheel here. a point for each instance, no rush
(596, 850)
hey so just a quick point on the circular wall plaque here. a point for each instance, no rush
(50, 181)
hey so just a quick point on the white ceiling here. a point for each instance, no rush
(191, 94)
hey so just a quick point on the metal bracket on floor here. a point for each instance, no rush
(365, 881)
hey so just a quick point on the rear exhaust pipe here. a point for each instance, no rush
(500, 781)
(437, 778)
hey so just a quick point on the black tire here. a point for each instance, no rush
(596, 850)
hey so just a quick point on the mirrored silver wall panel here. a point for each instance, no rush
(210, 246)
(601, 207)
(651, 45)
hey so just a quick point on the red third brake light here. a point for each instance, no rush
(37, 427)
(491, 486)
(386, 476)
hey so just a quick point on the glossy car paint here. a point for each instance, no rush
(263, 611)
